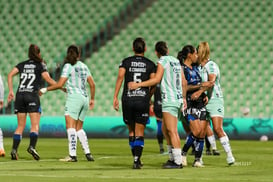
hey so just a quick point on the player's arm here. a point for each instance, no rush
(184, 89)
(91, 83)
(152, 88)
(47, 78)
(58, 85)
(120, 78)
(151, 81)
(11, 74)
(204, 87)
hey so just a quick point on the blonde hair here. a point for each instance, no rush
(203, 51)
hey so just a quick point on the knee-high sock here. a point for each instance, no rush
(170, 152)
(131, 144)
(33, 137)
(138, 147)
(1, 140)
(212, 141)
(16, 141)
(83, 140)
(225, 143)
(189, 141)
(199, 146)
(72, 141)
(177, 155)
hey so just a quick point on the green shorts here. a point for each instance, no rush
(172, 109)
(76, 106)
(215, 108)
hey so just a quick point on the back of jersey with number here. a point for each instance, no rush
(138, 69)
(30, 76)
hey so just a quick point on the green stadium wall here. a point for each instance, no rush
(113, 127)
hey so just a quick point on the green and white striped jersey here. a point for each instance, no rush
(212, 68)
(171, 88)
(77, 78)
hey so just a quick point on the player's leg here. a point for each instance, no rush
(138, 144)
(170, 122)
(169, 144)
(224, 140)
(72, 138)
(210, 141)
(34, 131)
(2, 150)
(17, 136)
(159, 135)
(83, 140)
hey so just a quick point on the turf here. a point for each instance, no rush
(113, 163)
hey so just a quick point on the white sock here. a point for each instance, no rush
(83, 140)
(1, 140)
(170, 152)
(225, 143)
(177, 155)
(212, 142)
(72, 141)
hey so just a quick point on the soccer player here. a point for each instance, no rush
(75, 74)
(210, 141)
(2, 150)
(27, 98)
(196, 112)
(215, 107)
(170, 73)
(157, 108)
(135, 103)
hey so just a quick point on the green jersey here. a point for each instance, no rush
(171, 88)
(212, 68)
(77, 77)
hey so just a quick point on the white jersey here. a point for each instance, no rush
(77, 77)
(171, 88)
(212, 68)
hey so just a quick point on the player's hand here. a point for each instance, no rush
(64, 89)
(10, 96)
(91, 104)
(195, 95)
(184, 104)
(116, 104)
(132, 85)
(42, 91)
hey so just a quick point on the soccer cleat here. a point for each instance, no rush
(172, 165)
(69, 159)
(2, 153)
(184, 160)
(208, 152)
(161, 151)
(33, 152)
(89, 157)
(169, 162)
(215, 152)
(230, 160)
(197, 163)
(14, 155)
(137, 165)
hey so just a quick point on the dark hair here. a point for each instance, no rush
(34, 53)
(162, 48)
(73, 53)
(139, 45)
(183, 54)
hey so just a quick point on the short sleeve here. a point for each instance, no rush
(162, 62)
(122, 64)
(66, 70)
(44, 67)
(212, 68)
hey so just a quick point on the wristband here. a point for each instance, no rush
(43, 90)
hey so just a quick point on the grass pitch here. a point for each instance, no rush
(113, 162)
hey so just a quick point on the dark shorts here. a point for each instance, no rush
(27, 102)
(195, 113)
(135, 112)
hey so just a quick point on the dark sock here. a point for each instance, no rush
(33, 139)
(159, 135)
(131, 143)
(207, 143)
(199, 145)
(139, 144)
(16, 141)
(189, 141)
